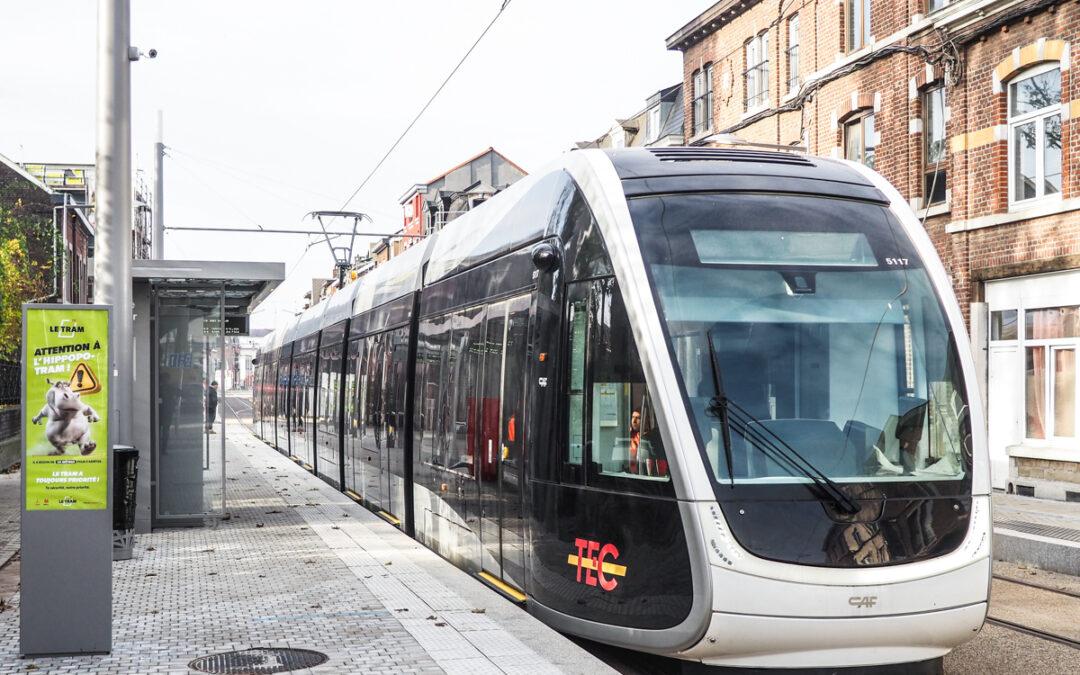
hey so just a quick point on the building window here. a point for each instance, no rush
(934, 145)
(703, 100)
(935, 5)
(1035, 134)
(858, 24)
(793, 53)
(860, 139)
(1050, 340)
(756, 75)
(1003, 325)
(652, 125)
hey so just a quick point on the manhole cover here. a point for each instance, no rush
(258, 661)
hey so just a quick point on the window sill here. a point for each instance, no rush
(698, 138)
(1056, 454)
(1016, 214)
(931, 211)
(750, 112)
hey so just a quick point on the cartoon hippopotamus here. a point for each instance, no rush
(69, 419)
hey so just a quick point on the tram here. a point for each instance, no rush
(714, 404)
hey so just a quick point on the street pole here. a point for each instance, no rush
(159, 191)
(112, 248)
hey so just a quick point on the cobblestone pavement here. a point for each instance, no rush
(9, 515)
(297, 565)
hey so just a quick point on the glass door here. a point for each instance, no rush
(502, 403)
(488, 414)
(189, 458)
(512, 447)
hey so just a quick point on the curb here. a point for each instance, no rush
(1054, 555)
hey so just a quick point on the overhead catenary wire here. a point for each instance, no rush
(423, 109)
(223, 198)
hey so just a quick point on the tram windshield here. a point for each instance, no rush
(810, 343)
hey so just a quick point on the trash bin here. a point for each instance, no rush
(125, 475)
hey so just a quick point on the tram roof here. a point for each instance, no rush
(393, 279)
(507, 221)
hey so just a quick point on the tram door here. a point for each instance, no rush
(500, 448)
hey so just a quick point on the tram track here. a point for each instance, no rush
(1034, 631)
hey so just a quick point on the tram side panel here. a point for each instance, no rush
(607, 542)
(466, 457)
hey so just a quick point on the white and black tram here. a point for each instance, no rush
(712, 404)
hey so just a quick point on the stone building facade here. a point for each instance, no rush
(970, 109)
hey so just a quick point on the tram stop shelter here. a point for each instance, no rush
(185, 312)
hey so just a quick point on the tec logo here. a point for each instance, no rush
(591, 562)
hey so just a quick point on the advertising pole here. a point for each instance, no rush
(112, 255)
(66, 500)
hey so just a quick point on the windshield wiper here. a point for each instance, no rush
(730, 412)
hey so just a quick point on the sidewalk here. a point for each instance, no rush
(300, 565)
(9, 515)
(1037, 532)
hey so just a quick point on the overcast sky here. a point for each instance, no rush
(275, 109)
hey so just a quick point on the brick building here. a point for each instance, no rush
(427, 207)
(967, 107)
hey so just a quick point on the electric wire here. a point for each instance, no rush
(237, 169)
(223, 198)
(423, 109)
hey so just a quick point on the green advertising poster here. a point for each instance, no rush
(65, 419)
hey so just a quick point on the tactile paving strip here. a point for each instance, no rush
(1066, 533)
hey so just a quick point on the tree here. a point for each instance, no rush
(26, 248)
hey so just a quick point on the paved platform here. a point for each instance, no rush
(9, 515)
(300, 565)
(1037, 532)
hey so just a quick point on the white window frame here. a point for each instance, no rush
(943, 165)
(1039, 118)
(701, 90)
(756, 48)
(864, 142)
(1051, 345)
(652, 124)
(793, 53)
(861, 29)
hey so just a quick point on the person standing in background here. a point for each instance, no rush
(211, 406)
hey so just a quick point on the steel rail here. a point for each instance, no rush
(1034, 632)
(1031, 584)
(1029, 630)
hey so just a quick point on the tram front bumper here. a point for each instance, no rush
(742, 640)
(767, 622)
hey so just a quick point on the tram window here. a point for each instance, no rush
(591, 258)
(329, 386)
(610, 419)
(575, 429)
(467, 347)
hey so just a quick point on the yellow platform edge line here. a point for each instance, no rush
(388, 518)
(587, 563)
(503, 586)
(352, 495)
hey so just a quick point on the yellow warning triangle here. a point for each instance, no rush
(83, 380)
